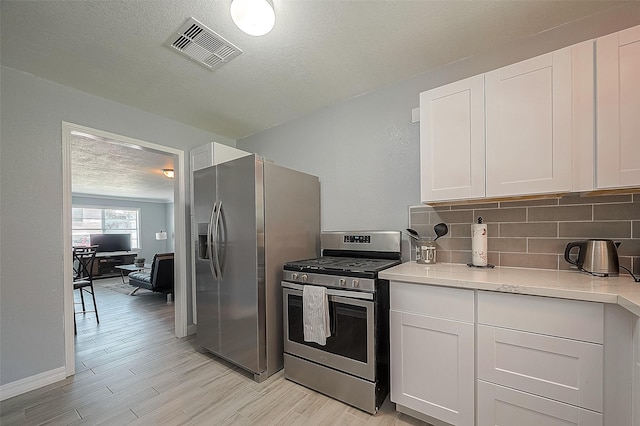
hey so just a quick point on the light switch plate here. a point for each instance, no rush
(415, 115)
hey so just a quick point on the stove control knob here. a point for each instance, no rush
(355, 283)
(294, 276)
(343, 282)
(304, 278)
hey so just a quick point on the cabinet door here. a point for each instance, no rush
(618, 109)
(201, 157)
(529, 120)
(213, 153)
(432, 366)
(452, 141)
(498, 405)
(562, 369)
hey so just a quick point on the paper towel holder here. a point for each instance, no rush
(484, 235)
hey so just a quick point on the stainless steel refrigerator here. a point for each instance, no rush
(250, 217)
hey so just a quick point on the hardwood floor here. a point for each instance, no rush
(131, 369)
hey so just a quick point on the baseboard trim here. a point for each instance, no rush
(191, 329)
(30, 383)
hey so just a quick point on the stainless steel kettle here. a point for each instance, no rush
(597, 257)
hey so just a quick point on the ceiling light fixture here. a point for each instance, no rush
(254, 17)
(168, 173)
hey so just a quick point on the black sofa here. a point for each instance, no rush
(159, 278)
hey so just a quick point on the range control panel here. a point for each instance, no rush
(365, 239)
(379, 241)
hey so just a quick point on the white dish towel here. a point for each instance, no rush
(315, 313)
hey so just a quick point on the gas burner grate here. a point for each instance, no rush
(341, 265)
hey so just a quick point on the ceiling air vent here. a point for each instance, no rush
(202, 45)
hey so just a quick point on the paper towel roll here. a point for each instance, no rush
(479, 244)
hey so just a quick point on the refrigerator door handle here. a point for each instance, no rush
(210, 240)
(217, 241)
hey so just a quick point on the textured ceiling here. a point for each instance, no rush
(320, 52)
(106, 168)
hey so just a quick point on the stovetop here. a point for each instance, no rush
(350, 260)
(347, 266)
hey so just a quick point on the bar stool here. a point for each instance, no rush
(83, 259)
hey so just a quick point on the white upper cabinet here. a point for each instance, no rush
(528, 116)
(565, 121)
(452, 141)
(618, 109)
(524, 129)
(213, 153)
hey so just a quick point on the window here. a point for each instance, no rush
(97, 220)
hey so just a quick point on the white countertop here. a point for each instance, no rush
(537, 282)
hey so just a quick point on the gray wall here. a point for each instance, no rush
(171, 229)
(31, 247)
(154, 217)
(366, 150)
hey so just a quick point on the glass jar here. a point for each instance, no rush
(425, 252)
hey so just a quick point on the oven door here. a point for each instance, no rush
(351, 346)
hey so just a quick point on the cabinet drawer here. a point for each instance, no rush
(440, 302)
(566, 370)
(498, 405)
(572, 319)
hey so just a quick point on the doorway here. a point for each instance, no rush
(69, 131)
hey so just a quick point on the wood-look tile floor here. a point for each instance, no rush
(131, 369)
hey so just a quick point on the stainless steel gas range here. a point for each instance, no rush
(353, 365)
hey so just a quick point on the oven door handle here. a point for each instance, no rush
(331, 292)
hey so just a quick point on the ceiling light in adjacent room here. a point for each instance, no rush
(168, 173)
(254, 17)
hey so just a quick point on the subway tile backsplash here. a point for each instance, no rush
(533, 233)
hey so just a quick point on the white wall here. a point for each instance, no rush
(31, 243)
(365, 151)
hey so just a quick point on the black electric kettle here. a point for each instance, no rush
(597, 257)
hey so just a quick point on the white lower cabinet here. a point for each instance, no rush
(432, 358)
(561, 369)
(636, 372)
(476, 358)
(499, 405)
(540, 361)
